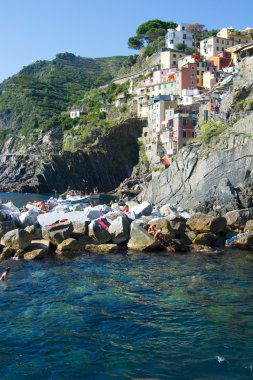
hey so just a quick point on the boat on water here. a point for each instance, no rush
(74, 199)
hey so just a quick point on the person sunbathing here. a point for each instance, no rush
(152, 230)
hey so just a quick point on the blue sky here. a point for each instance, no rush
(31, 30)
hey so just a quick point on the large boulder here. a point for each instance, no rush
(17, 239)
(206, 238)
(91, 213)
(207, 223)
(2, 216)
(34, 232)
(144, 208)
(58, 232)
(119, 230)
(6, 226)
(168, 210)
(164, 224)
(7, 253)
(29, 217)
(37, 254)
(80, 226)
(141, 240)
(39, 244)
(248, 226)
(70, 246)
(103, 209)
(112, 215)
(98, 230)
(103, 248)
(238, 218)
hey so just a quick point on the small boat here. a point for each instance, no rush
(73, 199)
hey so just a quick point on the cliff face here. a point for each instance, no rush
(44, 166)
(210, 178)
(217, 177)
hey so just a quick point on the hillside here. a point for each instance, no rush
(46, 88)
(216, 176)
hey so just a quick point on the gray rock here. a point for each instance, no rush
(119, 230)
(78, 207)
(144, 208)
(207, 223)
(17, 239)
(104, 209)
(80, 226)
(103, 248)
(37, 254)
(238, 218)
(56, 234)
(70, 246)
(7, 253)
(91, 213)
(98, 232)
(39, 244)
(6, 226)
(248, 226)
(34, 232)
(140, 240)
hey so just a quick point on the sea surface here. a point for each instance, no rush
(21, 199)
(128, 316)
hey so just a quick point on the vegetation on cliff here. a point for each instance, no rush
(46, 88)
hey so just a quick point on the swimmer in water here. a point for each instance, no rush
(4, 276)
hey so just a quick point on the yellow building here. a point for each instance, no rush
(242, 36)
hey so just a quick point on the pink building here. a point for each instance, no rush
(178, 127)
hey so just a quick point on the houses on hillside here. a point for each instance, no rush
(170, 94)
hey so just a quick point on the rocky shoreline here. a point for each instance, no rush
(107, 229)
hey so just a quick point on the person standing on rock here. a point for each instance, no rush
(4, 276)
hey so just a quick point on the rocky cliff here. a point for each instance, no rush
(211, 178)
(43, 165)
(218, 176)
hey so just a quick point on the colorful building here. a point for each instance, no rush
(169, 59)
(211, 46)
(221, 60)
(179, 35)
(242, 36)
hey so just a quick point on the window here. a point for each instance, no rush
(227, 42)
(222, 42)
(164, 86)
(217, 48)
(217, 40)
(183, 28)
(184, 134)
(171, 41)
(193, 134)
(222, 48)
(192, 75)
(184, 122)
(174, 55)
(197, 72)
(184, 36)
(159, 87)
(192, 82)
(193, 67)
(174, 62)
(171, 85)
(194, 123)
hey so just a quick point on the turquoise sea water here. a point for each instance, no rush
(21, 199)
(128, 316)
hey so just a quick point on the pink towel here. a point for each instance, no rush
(102, 224)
